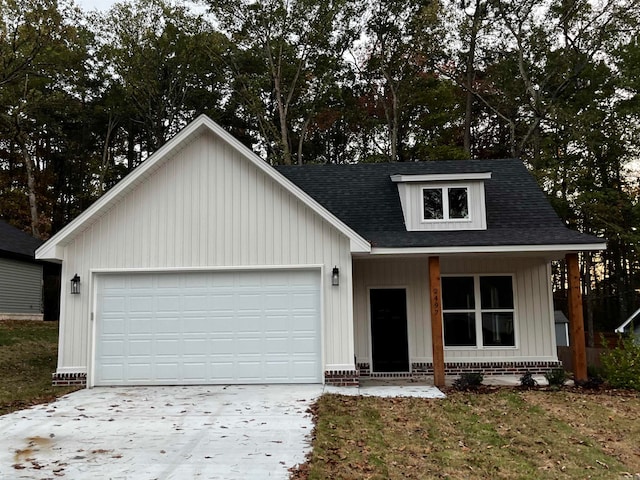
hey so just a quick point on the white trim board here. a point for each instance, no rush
(489, 249)
(440, 177)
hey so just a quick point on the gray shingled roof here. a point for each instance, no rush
(16, 243)
(364, 197)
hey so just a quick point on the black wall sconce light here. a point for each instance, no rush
(335, 276)
(75, 285)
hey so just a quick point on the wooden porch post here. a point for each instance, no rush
(436, 321)
(576, 320)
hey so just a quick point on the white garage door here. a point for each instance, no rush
(208, 328)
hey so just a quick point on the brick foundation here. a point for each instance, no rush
(342, 378)
(419, 369)
(69, 379)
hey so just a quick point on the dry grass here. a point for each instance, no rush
(28, 353)
(507, 434)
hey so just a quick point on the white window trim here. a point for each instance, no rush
(444, 189)
(478, 311)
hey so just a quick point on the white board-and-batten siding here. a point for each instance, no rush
(208, 208)
(535, 335)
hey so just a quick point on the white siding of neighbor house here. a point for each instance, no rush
(413, 206)
(20, 287)
(535, 335)
(208, 208)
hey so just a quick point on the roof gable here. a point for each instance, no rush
(51, 250)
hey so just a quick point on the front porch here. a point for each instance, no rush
(508, 325)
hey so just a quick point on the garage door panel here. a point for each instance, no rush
(205, 327)
(114, 347)
(139, 325)
(169, 303)
(113, 325)
(139, 347)
(115, 304)
(302, 345)
(141, 304)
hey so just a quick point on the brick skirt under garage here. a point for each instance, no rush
(69, 379)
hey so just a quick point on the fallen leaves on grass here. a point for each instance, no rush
(505, 433)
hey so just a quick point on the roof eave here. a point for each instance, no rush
(447, 250)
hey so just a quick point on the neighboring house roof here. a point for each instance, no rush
(365, 198)
(16, 243)
(560, 317)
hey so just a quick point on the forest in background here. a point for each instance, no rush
(85, 97)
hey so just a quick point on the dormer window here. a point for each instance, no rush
(445, 203)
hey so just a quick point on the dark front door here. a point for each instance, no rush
(389, 330)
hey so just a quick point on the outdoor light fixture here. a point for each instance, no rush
(335, 277)
(75, 285)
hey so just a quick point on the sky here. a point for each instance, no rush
(88, 5)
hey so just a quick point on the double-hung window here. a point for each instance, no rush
(445, 203)
(478, 311)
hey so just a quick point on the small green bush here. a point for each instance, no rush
(468, 381)
(527, 381)
(556, 377)
(593, 371)
(621, 365)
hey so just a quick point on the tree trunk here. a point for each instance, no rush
(393, 118)
(284, 131)
(303, 134)
(131, 154)
(111, 124)
(468, 114)
(31, 189)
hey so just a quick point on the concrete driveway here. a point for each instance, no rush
(141, 433)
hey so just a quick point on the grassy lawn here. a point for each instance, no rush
(28, 354)
(504, 434)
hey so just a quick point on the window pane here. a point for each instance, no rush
(457, 293)
(497, 329)
(432, 199)
(496, 292)
(458, 204)
(459, 329)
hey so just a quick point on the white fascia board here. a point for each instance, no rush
(53, 252)
(490, 249)
(440, 177)
(50, 250)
